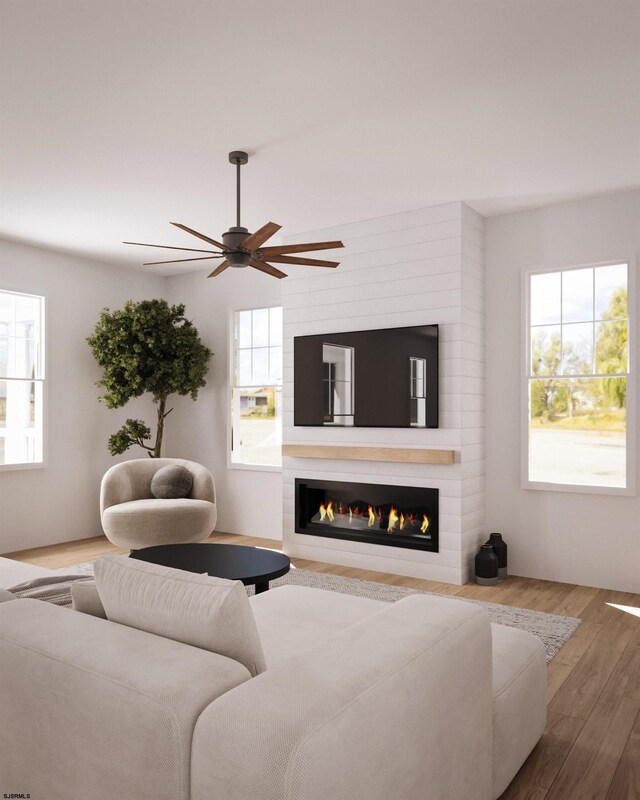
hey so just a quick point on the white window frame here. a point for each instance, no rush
(632, 380)
(231, 386)
(45, 384)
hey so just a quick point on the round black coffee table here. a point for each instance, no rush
(234, 562)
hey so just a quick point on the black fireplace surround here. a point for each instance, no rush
(396, 516)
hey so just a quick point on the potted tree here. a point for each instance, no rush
(148, 346)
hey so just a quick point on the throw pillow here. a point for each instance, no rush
(171, 482)
(211, 613)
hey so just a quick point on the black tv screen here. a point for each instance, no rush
(384, 378)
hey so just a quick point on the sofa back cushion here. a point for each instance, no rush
(209, 613)
(85, 598)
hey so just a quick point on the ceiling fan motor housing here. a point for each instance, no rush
(232, 239)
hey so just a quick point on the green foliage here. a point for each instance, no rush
(148, 346)
(556, 396)
(611, 348)
(134, 431)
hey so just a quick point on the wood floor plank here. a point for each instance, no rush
(588, 630)
(572, 651)
(576, 601)
(551, 597)
(545, 761)
(626, 781)
(593, 760)
(68, 553)
(601, 610)
(557, 674)
(580, 692)
(625, 678)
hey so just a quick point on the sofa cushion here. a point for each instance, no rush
(293, 619)
(210, 613)
(5, 595)
(171, 482)
(519, 700)
(100, 711)
(14, 572)
(85, 598)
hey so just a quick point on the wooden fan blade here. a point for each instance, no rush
(220, 268)
(169, 247)
(199, 235)
(299, 248)
(267, 268)
(179, 260)
(254, 240)
(308, 262)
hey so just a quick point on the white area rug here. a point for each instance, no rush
(554, 630)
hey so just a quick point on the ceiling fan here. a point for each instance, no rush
(239, 248)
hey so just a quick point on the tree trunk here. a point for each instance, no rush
(160, 429)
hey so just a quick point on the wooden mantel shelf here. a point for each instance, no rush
(401, 454)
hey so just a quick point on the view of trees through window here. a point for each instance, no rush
(578, 376)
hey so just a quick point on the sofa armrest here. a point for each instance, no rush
(93, 709)
(397, 705)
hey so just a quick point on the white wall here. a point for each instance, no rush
(249, 500)
(59, 502)
(589, 539)
(416, 268)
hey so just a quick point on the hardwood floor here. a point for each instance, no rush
(591, 747)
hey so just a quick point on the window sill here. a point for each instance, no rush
(18, 467)
(253, 467)
(578, 488)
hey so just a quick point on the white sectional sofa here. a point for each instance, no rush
(422, 699)
(14, 572)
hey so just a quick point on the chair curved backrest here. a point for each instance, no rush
(131, 480)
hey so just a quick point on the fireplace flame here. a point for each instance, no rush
(393, 519)
(326, 512)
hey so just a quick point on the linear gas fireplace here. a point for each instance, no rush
(397, 516)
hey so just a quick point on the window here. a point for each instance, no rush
(256, 387)
(21, 378)
(577, 378)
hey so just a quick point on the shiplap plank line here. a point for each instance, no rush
(421, 217)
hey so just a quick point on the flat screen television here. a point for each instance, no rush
(385, 378)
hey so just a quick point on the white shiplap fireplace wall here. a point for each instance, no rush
(417, 268)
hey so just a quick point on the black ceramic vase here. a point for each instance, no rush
(486, 566)
(500, 549)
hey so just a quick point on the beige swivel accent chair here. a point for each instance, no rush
(132, 517)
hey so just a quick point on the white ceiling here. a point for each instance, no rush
(118, 115)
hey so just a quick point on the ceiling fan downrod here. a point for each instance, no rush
(239, 158)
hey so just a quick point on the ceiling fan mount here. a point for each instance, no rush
(241, 249)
